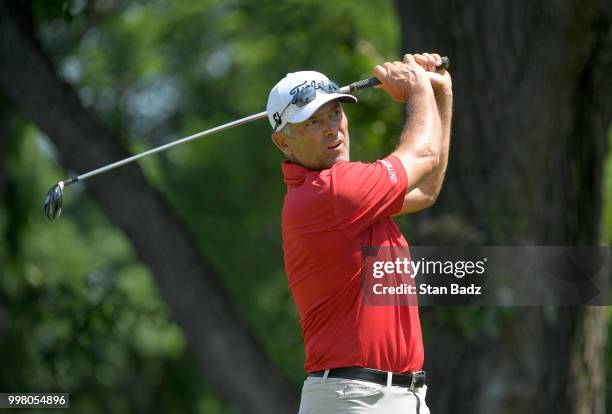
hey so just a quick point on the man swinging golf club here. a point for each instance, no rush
(360, 359)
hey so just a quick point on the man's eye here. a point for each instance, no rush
(312, 122)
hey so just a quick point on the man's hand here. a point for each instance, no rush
(401, 80)
(440, 79)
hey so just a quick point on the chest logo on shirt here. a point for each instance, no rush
(391, 170)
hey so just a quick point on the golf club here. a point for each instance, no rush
(54, 199)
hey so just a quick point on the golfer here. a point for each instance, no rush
(360, 359)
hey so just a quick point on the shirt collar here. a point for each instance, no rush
(294, 174)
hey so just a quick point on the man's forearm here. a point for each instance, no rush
(420, 122)
(419, 145)
(432, 184)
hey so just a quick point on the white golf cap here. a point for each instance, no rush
(298, 95)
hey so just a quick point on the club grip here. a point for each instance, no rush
(364, 84)
(373, 81)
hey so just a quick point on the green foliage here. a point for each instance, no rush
(79, 314)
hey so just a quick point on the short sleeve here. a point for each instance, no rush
(363, 193)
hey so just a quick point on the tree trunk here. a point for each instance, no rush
(6, 116)
(531, 118)
(230, 359)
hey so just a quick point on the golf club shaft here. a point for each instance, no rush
(362, 84)
(164, 147)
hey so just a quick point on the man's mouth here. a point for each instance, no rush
(335, 145)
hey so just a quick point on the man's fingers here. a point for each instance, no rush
(431, 62)
(380, 72)
(408, 58)
(437, 58)
(428, 61)
(421, 60)
(433, 58)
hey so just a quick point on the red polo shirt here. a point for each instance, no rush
(328, 216)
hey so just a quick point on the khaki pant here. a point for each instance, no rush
(344, 396)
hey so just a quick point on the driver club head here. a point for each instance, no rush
(53, 201)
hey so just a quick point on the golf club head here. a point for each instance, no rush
(53, 201)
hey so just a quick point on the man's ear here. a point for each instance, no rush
(280, 140)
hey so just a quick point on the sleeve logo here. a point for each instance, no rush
(390, 170)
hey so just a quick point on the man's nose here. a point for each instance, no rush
(331, 127)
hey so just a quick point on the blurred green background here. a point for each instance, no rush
(78, 310)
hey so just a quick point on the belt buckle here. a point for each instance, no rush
(414, 379)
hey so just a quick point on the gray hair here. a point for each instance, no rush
(286, 130)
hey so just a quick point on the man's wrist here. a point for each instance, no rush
(422, 95)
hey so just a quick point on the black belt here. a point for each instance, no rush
(412, 380)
